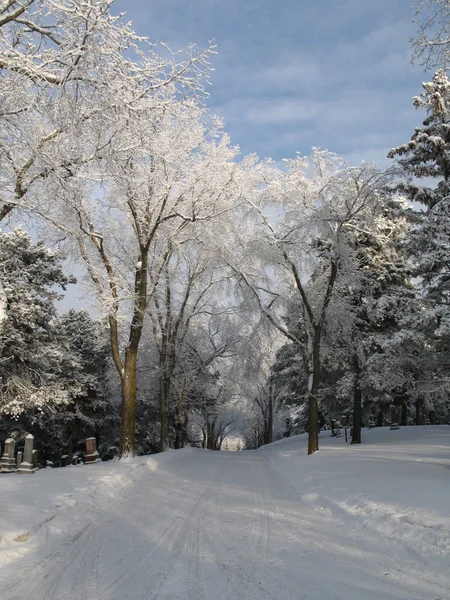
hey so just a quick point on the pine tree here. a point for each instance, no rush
(427, 156)
(33, 354)
(380, 305)
(88, 412)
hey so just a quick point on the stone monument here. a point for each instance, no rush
(91, 451)
(7, 462)
(26, 466)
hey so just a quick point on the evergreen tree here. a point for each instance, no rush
(88, 412)
(33, 354)
(53, 369)
(427, 156)
(380, 306)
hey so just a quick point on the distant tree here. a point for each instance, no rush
(216, 414)
(187, 325)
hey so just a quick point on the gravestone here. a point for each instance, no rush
(18, 459)
(92, 455)
(26, 466)
(7, 462)
(65, 460)
(337, 429)
(34, 459)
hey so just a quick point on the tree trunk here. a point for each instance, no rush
(177, 441)
(164, 420)
(380, 419)
(181, 432)
(357, 401)
(270, 421)
(127, 370)
(404, 415)
(313, 409)
(184, 429)
(70, 447)
(181, 423)
(418, 412)
(127, 424)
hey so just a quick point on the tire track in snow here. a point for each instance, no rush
(189, 537)
(134, 564)
(171, 532)
(40, 580)
(74, 563)
(245, 570)
(195, 556)
(316, 590)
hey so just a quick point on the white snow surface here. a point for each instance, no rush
(369, 522)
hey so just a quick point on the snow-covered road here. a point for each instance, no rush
(201, 525)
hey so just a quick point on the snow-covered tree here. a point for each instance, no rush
(431, 45)
(427, 157)
(168, 172)
(186, 322)
(60, 62)
(323, 204)
(89, 411)
(217, 415)
(84, 102)
(33, 353)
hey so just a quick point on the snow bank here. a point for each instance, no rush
(46, 507)
(393, 489)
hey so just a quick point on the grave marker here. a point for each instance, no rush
(26, 466)
(7, 462)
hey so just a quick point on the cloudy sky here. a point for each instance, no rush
(292, 74)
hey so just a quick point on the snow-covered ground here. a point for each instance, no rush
(369, 522)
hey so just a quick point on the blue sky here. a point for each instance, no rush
(292, 74)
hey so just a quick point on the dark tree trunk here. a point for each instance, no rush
(380, 418)
(184, 429)
(211, 436)
(418, 412)
(268, 423)
(70, 447)
(181, 423)
(404, 415)
(164, 421)
(357, 401)
(127, 424)
(181, 436)
(313, 408)
(164, 389)
(177, 441)
(127, 370)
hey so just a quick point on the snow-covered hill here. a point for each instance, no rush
(369, 522)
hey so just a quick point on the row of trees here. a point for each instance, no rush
(191, 251)
(380, 326)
